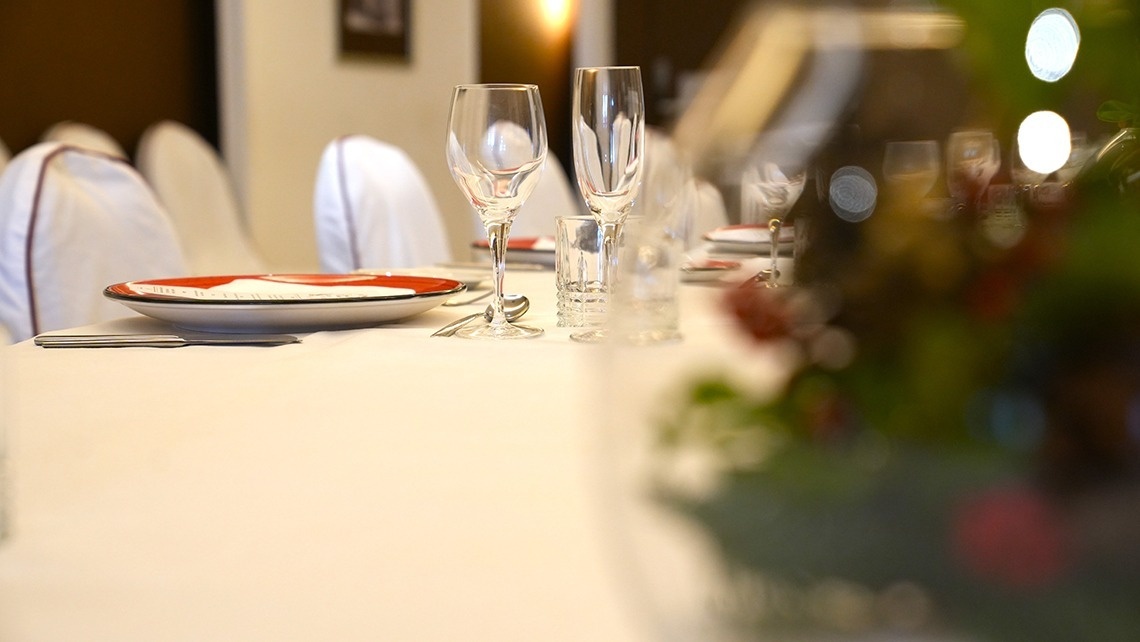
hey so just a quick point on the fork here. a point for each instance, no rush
(475, 299)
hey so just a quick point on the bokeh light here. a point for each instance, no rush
(1052, 44)
(853, 193)
(1044, 142)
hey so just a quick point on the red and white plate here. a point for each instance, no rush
(525, 249)
(471, 275)
(749, 239)
(283, 302)
(698, 270)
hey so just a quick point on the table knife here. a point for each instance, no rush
(161, 340)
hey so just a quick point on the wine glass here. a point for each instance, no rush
(769, 191)
(972, 160)
(911, 168)
(609, 133)
(496, 146)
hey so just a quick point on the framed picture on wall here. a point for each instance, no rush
(375, 27)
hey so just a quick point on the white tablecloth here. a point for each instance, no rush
(372, 484)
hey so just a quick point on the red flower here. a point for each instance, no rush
(762, 312)
(1012, 537)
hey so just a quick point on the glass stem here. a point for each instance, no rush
(497, 234)
(610, 233)
(774, 226)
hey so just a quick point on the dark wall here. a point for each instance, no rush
(668, 38)
(119, 65)
(513, 49)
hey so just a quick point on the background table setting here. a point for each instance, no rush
(368, 480)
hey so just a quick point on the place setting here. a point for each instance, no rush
(708, 270)
(258, 309)
(524, 252)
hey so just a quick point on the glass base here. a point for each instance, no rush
(651, 337)
(597, 335)
(639, 338)
(504, 331)
(763, 278)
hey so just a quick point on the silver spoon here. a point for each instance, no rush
(514, 306)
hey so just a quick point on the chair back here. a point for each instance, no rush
(72, 222)
(710, 211)
(373, 209)
(83, 135)
(194, 185)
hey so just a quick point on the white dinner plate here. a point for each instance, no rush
(526, 249)
(283, 302)
(749, 239)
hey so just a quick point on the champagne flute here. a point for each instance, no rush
(496, 146)
(608, 133)
(770, 190)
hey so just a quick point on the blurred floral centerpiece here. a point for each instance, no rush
(955, 453)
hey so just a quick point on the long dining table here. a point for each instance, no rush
(363, 484)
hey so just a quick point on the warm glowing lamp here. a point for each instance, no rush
(556, 14)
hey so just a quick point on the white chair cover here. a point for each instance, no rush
(553, 196)
(710, 213)
(85, 136)
(72, 222)
(193, 184)
(373, 209)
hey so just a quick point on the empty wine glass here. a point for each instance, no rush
(769, 190)
(496, 146)
(608, 133)
(911, 168)
(972, 160)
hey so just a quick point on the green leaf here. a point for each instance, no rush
(1118, 111)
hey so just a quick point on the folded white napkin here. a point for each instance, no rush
(262, 290)
(750, 234)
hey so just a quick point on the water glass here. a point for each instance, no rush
(645, 299)
(579, 272)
